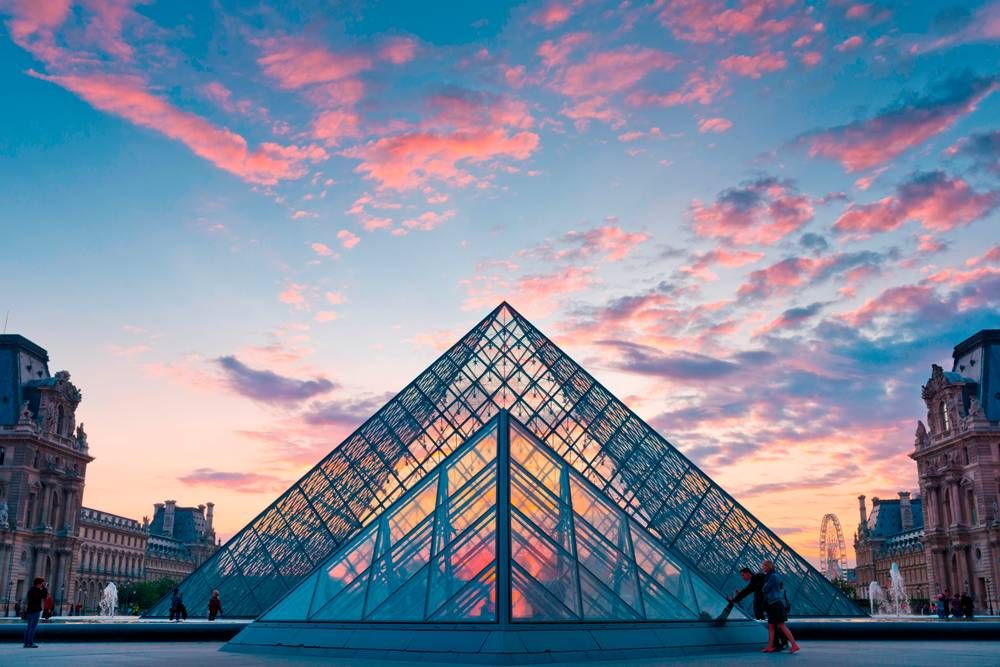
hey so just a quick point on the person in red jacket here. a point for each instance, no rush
(48, 607)
(214, 606)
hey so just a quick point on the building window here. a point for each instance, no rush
(60, 420)
(945, 419)
(3, 455)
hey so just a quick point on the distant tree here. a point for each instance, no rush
(143, 595)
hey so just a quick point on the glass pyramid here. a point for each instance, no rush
(504, 364)
(502, 513)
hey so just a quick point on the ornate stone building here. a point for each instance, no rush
(43, 462)
(892, 533)
(958, 464)
(113, 550)
(180, 539)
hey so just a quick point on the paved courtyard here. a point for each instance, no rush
(839, 654)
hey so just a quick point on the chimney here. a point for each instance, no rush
(208, 516)
(168, 517)
(905, 511)
(864, 512)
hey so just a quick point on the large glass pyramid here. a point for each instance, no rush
(502, 527)
(503, 364)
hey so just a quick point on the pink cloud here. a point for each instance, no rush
(613, 242)
(716, 125)
(127, 96)
(609, 72)
(713, 20)
(293, 295)
(811, 58)
(409, 160)
(702, 264)
(859, 11)
(551, 15)
(105, 25)
(762, 211)
(347, 239)
(429, 220)
(754, 66)
(891, 302)
(535, 292)
(696, 89)
(555, 53)
(335, 298)
(296, 63)
(850, 43)
(593, 108)
(398, 50)
(935, 200)
(322, 249)
(864, 144)
(332, 126)
(991, 256)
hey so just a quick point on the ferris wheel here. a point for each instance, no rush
(832, 552)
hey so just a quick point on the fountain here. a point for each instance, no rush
(897, 590)
(876, 598)
(109, 600)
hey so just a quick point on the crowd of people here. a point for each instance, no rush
(947, 605)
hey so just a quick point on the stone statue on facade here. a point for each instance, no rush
(26, 418)
(996, 512)
(81, 437)
(4, 518)
(921, 439)
(976, 409)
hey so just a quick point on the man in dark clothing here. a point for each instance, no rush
(965, 603)
(177, 609)
(36, 596)
(755, 585)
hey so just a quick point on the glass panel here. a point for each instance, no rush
(295, 605)
(612, 567)
(600, 604)
(539, 464)
(531, 602)
(466, 506)
(653, 560)
(462, 561)
(346, 606)
(470, 463)
(540, 507)
(601, 515)
(335, 576)
(406, 603)
(395, 568)
(709, 603)
(475, 602)
(546, 563)
(413, 511)
(659, 604)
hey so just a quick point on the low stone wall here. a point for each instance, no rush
(188, 631)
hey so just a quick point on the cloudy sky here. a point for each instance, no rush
(242, 225)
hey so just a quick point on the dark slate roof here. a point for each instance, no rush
(17, 340)
(189, 523)
(885, 521)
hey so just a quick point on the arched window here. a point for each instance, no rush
(945, 418)
(60, 420)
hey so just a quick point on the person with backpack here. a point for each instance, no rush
(755, 585)
(777, 608)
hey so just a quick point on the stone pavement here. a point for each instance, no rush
(838, 654)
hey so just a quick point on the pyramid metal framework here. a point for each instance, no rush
(503, 530)
(503, 364)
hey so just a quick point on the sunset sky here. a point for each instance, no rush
(241, 226)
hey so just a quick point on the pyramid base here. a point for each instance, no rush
(489, 644)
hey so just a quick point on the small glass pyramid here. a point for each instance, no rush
(594, 447)
(502, 518)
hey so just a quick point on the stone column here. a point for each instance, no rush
(957, 515)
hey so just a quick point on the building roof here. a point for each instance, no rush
(885, 520)
(189, 523)
(17, 340)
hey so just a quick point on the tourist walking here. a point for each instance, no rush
(777, 609)
(956, 606)
(177, 609)
(36, 597)
(214, 606)
(941, 604)
(755, 585)
(965, 603)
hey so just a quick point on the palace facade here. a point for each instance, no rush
(43, 462)
(958, 466)
(892, 533)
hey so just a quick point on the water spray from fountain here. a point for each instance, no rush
(109, 600)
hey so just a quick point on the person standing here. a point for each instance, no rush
(777, 613)
(214, 606)
(755, 585)
(177, 609)
(956, 606)
(36, 597)
(965, 602)
(48, 607)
